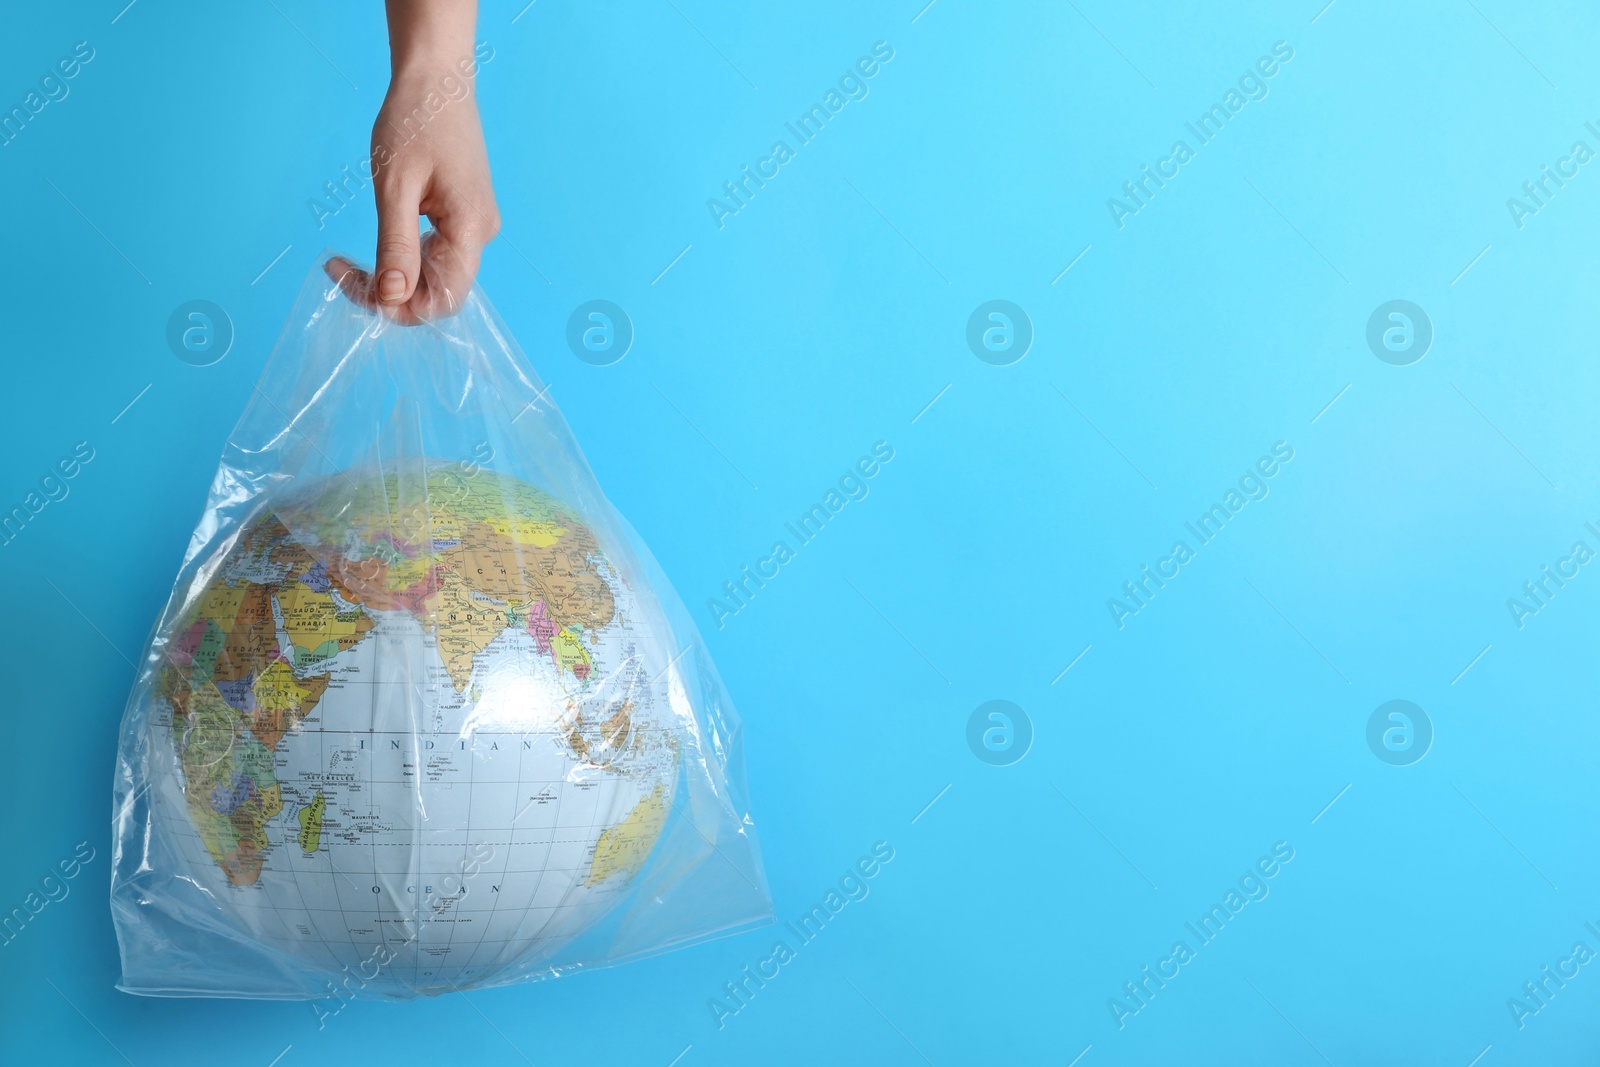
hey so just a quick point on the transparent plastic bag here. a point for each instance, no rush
(421, 714)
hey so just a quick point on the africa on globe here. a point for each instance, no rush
(415, 723)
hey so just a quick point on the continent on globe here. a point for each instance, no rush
(624, 848)
(234, 693)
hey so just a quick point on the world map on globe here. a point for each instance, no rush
(418, 720)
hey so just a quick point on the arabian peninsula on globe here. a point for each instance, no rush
(424, 723)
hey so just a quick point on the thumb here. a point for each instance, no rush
(399, 250)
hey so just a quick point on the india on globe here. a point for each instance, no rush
(416, 727)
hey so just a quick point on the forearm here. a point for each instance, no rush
(425, 34)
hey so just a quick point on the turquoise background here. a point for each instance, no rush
(1223, 317)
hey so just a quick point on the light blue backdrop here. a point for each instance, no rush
(1229, 313)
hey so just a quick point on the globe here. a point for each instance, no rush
(414, 729)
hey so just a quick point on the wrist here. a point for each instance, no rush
(430, 64)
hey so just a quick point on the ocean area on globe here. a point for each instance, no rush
(421, 714)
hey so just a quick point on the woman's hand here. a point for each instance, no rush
(428, 158)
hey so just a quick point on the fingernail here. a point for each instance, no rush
(391, 286)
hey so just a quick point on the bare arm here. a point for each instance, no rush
(428, 158)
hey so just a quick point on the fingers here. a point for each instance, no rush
(463, 223)
(449, 265)
(354, 282)
(399, 243)
(439, 266)
(357, 284)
